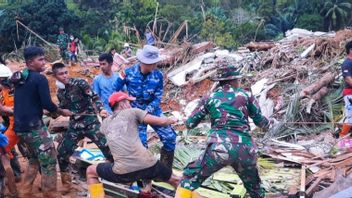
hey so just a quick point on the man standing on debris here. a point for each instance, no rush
(347, 92)
(133, 161)
(149, 37)
(145, 82)
(229, 142)
(63, 41)
(126, 52)
(32, 96)
(76, 95)
(103, 83)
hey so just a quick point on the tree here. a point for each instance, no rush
(336, 13)
(45, 19)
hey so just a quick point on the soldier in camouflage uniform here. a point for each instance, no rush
(76, 95)
(63, 41)
(145, 83)
(229, 141)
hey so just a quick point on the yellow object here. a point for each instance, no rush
(96, 190)
(183, 193)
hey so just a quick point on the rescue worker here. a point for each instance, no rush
(229, 141)
(76, 95)
(145, 83)
(103, 83)
(32, 96)
(63, 41)
(133, 161)
(126, 52)
(346, 68)
(6, 107)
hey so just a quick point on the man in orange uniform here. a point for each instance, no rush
(6, 107)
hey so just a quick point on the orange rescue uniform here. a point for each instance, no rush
(7, 100)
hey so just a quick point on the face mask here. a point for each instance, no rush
(59, 85)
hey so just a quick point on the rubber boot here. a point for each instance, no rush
(31, 174)
(183, 193)
(96, 190)
(345, 130)
(66, 181)
(167, 157)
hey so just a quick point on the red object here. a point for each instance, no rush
(119, 96)
(347, 91)
(73, 47)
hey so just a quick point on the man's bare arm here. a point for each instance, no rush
(160, 121)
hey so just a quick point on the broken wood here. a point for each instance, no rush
(313, 88)
(260, 46)
(313, 188)
(302, 190)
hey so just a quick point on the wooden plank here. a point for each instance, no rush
(302, 190)
(313, 188)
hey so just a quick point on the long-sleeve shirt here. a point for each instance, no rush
(147, 88)
(30, 99)
(104, 87)
(229, 109)
(79, 98)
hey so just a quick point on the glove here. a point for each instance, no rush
(4, 141)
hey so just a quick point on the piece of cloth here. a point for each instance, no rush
(7, 99)
(241, 157)
(41, 151)
(346, 68)
(72, 136)
(31, 97)
(148, 91)
(156, 171)
(150, 40)
(348, 109)
(119, 62)
(121, 131)
(229, 110)
(104, 87)
(79, 98)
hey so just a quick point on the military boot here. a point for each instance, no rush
(167, 157)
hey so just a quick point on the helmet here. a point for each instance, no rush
(5, 71)
(126, 45)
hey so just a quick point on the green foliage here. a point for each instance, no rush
(313, 22)
(336, 13)
(228, 23)
(44, 19)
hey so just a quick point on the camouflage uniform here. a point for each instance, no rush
(229, 142)
(148, 90)
(80, 99)
(62, 42)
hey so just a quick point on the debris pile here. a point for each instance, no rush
(298, 83)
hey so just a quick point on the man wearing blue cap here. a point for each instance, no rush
(145, 83)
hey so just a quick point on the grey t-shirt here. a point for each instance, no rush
(121, 131)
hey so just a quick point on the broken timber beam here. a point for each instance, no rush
(302, 190)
